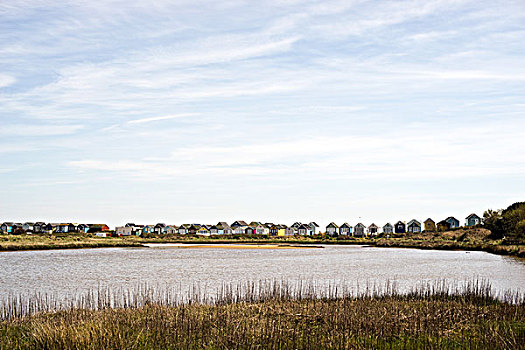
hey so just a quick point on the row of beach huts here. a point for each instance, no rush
(42, 227)
(413, 226)
(242, 227)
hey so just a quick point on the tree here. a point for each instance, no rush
(492, 220)
(509, 222)
(520, 227)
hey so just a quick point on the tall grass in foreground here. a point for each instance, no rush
(269, 315)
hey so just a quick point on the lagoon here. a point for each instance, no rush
(70, 272)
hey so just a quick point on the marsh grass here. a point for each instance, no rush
(61, 241)
(269, 315)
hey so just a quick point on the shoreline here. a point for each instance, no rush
(492, 248)
(26, 244)
(233, 245)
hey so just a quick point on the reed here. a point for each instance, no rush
(268, 315)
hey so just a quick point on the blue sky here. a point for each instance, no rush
(195, 111)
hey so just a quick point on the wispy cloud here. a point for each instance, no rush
(6, 80)
(31, 130)
(220, 49)
(375, 16)
(164, 117)
(7, 148)
(449, 154)
(293, 99)
(434, 35)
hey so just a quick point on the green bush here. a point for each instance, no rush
(509, 222)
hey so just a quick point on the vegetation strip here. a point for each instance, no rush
(277, 316)
(471, 239)
(38, 244)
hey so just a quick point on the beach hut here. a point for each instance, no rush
(159, 228)
(266, 228)
(430, 225)
(51, 227)
(123, 231)
(226, 228)
(28, 227)
(94, 228)
(203, 230)
(239, 230)
(290, 231)
(345, 229)
(388, 228)
(239, 223)
(296, 225)
(260, 229)
(171, 229)
(38, 227)
(443, 225)
(454, 223)
(400, 227)
(313, 228)
(82, 228)
(414, 226)
(359, 230)
(472, 220)
(214, 230)
(7, 227)
(193, 229)
(332, 229)
(304, 230)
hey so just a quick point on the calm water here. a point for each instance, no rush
(62, 272)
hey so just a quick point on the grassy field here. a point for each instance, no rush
(461, 239)
(274, 318)
(65, 241)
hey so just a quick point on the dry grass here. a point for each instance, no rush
(472, 234)
(460, 239)
(276, 315)
(65, 241)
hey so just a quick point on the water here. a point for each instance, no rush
(66, 272)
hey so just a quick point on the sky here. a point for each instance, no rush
(114, 111)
